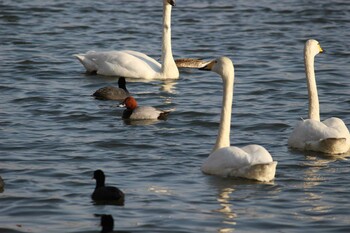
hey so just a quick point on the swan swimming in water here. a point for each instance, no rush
(252, 161)
(330, 136)
(132, 64)
(113, 93)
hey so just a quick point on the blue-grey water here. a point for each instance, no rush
(54, 134)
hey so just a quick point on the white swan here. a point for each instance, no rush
(330, 136)
(132, 64)
(252, 161)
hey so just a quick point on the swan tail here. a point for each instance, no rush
(329, 146)
(89, 65)
(260, 172)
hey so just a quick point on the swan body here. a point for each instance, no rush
(104, 193)
(113, 93)
(330, 136)
(252, 161)
(132, 64)
(135, 112)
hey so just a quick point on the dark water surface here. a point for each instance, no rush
(54, 134)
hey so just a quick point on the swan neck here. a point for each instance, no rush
(314, 108)
(223, 139)
(168, 63)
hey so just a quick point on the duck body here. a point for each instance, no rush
(145, 113)
(250, 162)
(110, 93)
(107, 193)
(104, 193)
(113, 93)
(330, 136)
(135, 112)
(190, 63)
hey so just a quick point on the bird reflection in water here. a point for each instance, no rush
(226, 209)
(316, 173)
(168, 86)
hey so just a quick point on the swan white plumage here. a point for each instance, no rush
(132, 64)
(252, 161)
(330, 136)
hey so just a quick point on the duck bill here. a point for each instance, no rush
(208, 66)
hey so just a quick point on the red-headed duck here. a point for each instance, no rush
(135, 112)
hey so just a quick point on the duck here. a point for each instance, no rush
(113, 93)
(107, 223)
(190, 63)
(250, 162)
(133, 64)
(330, 136)
(104, 193)
(135, 112)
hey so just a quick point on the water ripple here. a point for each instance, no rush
(54, 134)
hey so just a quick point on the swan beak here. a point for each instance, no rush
(172, 2)
(320, 48)
(208, 66)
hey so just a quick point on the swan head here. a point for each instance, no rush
(129, 103)
(222, 66)
(169, 2)
(313, 47)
